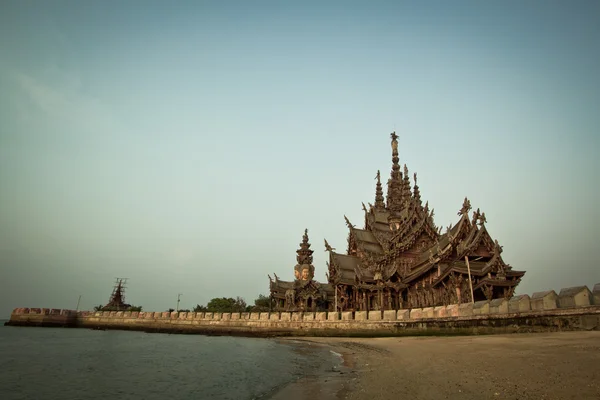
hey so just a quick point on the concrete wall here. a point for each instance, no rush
(575, 297)
(544, 311)
(547, 300)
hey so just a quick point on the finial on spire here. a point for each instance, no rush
(466, 207)
(415, 178)
(348, 223)
(327, 246)
(482, 219)
(476, 215)
(498, 246)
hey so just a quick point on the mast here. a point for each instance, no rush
(117, 298)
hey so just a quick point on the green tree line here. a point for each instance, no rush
(229, 304)
(218, 305)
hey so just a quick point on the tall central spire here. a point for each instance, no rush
(395, 183)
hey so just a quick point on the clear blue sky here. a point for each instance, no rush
(187, 145)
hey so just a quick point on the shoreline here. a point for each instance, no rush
(335, 378)
(557, 365)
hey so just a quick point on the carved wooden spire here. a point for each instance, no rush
(406, 192)
(379, 201)
(394, 195)
(304, 252)
(416, 191)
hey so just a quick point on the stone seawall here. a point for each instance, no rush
(52, 317)
(572, 309)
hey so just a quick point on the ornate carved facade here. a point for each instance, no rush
(304, 293)
(400, 259)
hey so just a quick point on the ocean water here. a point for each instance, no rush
(56, 363)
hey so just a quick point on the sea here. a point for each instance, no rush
(69, 363)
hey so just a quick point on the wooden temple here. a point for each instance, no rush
(400, 259)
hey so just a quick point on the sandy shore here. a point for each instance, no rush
(563, 365)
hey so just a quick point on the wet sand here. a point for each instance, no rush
(561, 365)
(333, 379)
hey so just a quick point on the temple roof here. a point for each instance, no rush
(401, 245)
(367, 241)
(281, 285)
(365, 236)
(344, 261)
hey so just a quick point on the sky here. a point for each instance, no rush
(187, 145)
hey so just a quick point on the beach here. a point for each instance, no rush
(560, 365)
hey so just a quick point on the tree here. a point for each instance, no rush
(262, 303)
(200, 308)
(240, 305)
(226, 305)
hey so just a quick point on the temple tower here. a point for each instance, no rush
(395, 183)
(304, 270)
